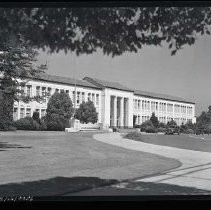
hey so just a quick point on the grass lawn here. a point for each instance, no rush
(183, 141)
(49, 163)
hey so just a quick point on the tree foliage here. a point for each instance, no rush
(86, 112)
(114, 30)
(171, 123)
(203, 122)
(59, 111)
(154, 120)
(16, 68)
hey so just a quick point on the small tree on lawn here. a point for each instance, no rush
(59, 111)
(154, 120)
(87, 113)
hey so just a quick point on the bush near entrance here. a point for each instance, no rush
(86, 113)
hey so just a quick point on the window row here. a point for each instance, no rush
(142, 119)
(163, 107)
(47, 91)
(26, 112)
(80, 97)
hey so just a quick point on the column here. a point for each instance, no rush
(115, 111)
(125, 112)
(106, 108)
(122, 112)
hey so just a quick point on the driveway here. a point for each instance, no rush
(52, 163)
(195, 170)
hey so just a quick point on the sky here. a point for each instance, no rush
(186, 74)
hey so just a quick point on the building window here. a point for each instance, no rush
(28, 90)
(148, 105)
(83, 96)
(93, 98)
(78, 97)
(38, 91)
(22, 90)
(73, 96)
(89, 96)
(138, 104)
(28, 112)
(43, 91)
(67, 91)
(97, 99)
(15, 114)
(57, 90)
(138, 119)
(22, 113)
(49, 91)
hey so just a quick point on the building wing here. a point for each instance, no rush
(161, 96)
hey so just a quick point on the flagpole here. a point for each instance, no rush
(74, 76)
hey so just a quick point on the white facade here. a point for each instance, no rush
(22, 109)
(165, 110)
(115, 107)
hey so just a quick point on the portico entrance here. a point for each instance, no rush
(118, 111)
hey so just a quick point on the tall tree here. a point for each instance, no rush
(17, 61)
(203, 122)
(86, 112)
(59, 111)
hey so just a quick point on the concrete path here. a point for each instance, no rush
(194, 172)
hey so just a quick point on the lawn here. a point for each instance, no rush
(183, 141)
(47, 159)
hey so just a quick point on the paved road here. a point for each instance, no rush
(33, 156)
(196, 165)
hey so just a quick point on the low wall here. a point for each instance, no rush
(89, 126)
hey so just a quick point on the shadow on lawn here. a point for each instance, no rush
(6, 145)
(54, 187)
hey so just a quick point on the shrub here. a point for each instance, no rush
(26, 123)
(137, 126)
(133, 135)
(162, 125)
(146, 126)
(161, 130)
(143, 129)
(57, 123)
(12, 128)
(43, 126)
(150, 129)
(115, 129)
(9, 128)
(171, 123)
(190, 131)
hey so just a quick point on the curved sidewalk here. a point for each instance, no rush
(194, 172)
